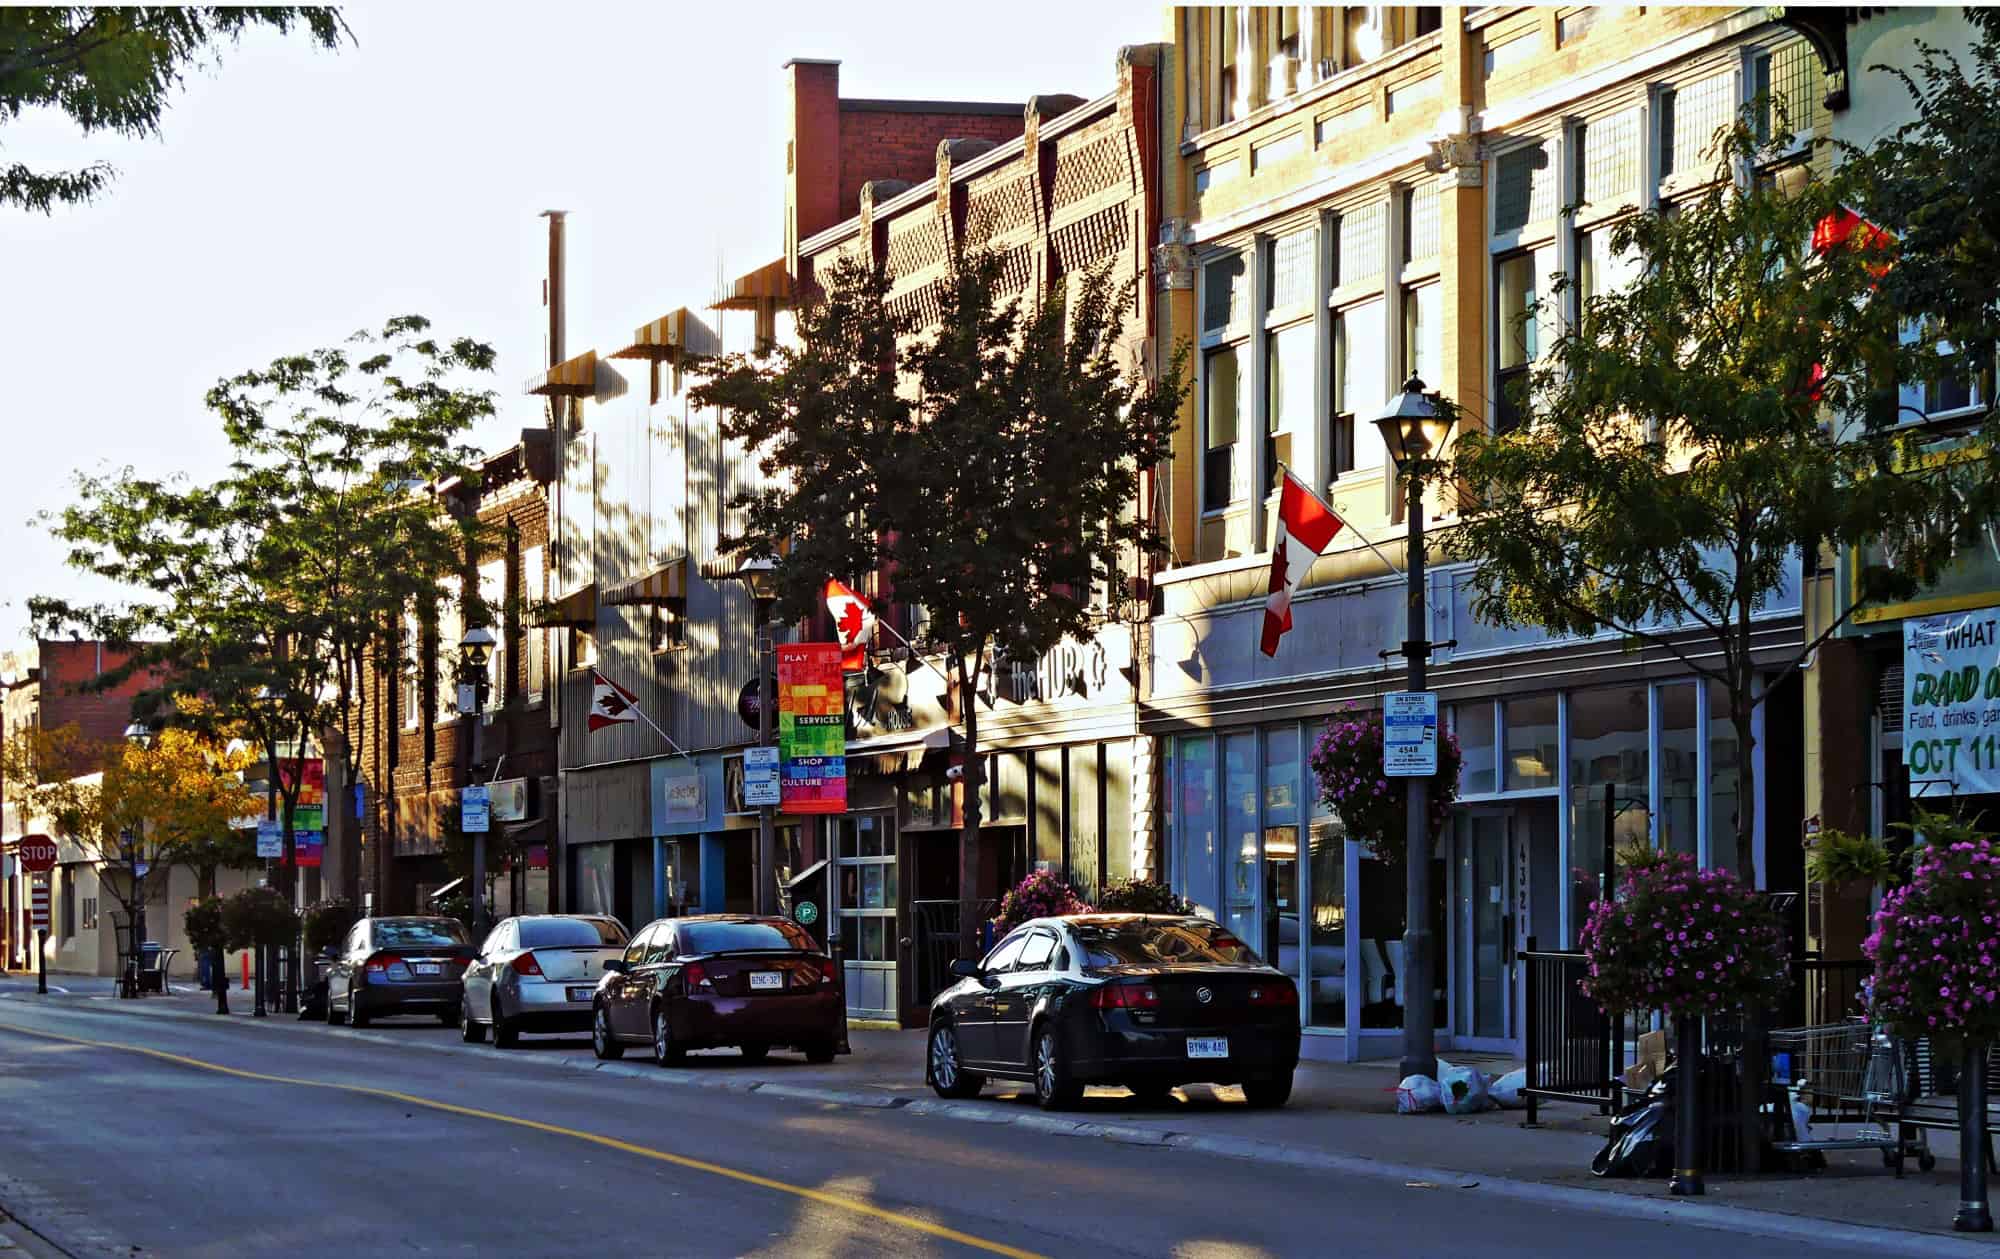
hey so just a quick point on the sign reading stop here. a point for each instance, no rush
(38, 854)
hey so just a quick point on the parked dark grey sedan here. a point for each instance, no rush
(391, 966)
(1146, 1001)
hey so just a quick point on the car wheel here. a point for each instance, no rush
(756, 1053)
(357, 1014)
(470, 1030)
(333, 1018)
(505, 1034)
(820, 1051)
(948, 1075)
(1054, 1089)
(1150, 1092)
(666, 1051)
(602, 1042)
(1268, 1094)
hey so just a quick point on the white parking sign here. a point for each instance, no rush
(1409, 734)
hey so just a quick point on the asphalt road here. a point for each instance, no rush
(298, 1140)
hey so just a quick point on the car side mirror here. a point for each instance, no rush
(965, 968)
(616, 965)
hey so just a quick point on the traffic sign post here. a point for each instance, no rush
(38, 906)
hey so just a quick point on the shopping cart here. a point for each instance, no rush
(1846, 1086)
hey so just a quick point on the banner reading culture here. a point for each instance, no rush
(812, 732)
(1951, 703)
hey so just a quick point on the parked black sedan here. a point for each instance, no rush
(719, 979)
(1146, 1001)
(390, 966)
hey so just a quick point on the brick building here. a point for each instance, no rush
(416, 748)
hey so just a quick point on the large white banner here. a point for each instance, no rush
(1951, 703)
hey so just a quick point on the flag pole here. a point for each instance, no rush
(914, 653)
(1344, 521)
(641, 714)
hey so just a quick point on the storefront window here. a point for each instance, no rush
(1324, 954)
(1194, 816)
(1530, 757)
(594, 882)
(1608, 754)
(1281, 840)
(1680, 743)
(1379, 950)
(1473, 724)
(1725, 768)
(1239, 804)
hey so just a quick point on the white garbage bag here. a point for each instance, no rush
(1418, 1094)
(1506, 1091)
(1464, 1088)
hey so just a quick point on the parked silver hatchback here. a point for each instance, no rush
(537, 973)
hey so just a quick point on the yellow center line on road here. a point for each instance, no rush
(843, 1203)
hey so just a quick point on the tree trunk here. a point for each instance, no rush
(1741, 707)
(968, 840)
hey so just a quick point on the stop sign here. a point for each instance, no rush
(38, 854)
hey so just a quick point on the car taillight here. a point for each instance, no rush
(695, 977)
(1280, 993)
(382, 962)
(825, 965)
(1126, 996)
(527, 965)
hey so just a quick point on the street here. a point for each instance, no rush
(135, 1133)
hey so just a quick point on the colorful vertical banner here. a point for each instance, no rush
(309, 815)
(812, 731)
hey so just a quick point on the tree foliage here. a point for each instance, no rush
(113, 69)
(1682, 447)
(990, 465)
(265, 595)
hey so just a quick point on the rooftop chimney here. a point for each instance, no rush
(552, 288)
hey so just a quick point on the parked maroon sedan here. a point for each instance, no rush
(720, 979)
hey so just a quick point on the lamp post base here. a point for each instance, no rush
(1973, 1217)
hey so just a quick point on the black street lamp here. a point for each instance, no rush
(761, 576)
(474, 650)
(128, 983)
(1415, 431)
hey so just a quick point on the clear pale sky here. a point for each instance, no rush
(297, 196)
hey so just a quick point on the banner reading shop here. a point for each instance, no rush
(1951, 703)
(812, 732)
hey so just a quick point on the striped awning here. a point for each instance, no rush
(573, 378)
(668, 581)
(577, 608)
(663, 338)
(768, 283)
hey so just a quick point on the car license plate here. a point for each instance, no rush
(766, 979)
(428, 968)
(579, 994)
(1208, 1047)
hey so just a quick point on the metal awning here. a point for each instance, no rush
(893, 753)
(576, 608)
(664, 338)
(668, 581)
(768, 283)
(573, 378)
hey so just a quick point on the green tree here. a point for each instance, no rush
(991, 464)
(266, 594)
(1681, 448)
(113, 69)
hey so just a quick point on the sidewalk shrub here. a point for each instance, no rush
(1043, 894)
(1682, 940)
(205, 931)
(1141, 896)
(1347, 760)
(1937, 938)
(258, 916)
(327, 923)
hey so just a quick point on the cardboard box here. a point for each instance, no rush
(1639, 1077)
(1653, 1050)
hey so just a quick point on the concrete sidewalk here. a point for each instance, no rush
(1341, 1118)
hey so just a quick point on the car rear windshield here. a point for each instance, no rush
(729, 937)
(408, 933)
(570, 933)
(1144, 943)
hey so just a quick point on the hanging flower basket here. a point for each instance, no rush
(1937, 939)
(1347, 759)
(1682, 940)
(1042, 894)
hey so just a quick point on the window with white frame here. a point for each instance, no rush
(1691, 116)
(493, 593)
(1289, 348)
(1609, 157)
(1786, 86)
(410, 670)
(450, 628)
(1526, 221)
(1524, 189)
(1360, 339)
(1958, 389)
(1225, 472)
(537, 638)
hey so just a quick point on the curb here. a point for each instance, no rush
(1737, 1219)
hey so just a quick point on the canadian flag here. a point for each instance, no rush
(610, 703)
(1305, 527)
(853, 625)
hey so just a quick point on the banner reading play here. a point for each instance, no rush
(309, 818)
(812, 735)
(1951, 703)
